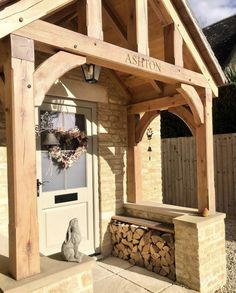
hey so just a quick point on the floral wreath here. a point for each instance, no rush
(66, 159)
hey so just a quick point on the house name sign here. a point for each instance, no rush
(143, 62)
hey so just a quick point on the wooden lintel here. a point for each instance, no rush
(142, 26)
(23, 12)
(143, 123)
(205, 158)
(186, 116)
(190, 44)
(193, 100)
(24, 258)
(173, 45)
(121, 59)
(157, 104)
(44, 76)
(114, 20)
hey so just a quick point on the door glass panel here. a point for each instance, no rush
(76, 174)
(52, 177)
(55, 178)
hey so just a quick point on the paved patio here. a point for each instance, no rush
(119, 276)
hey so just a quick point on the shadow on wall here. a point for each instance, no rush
(112, 149)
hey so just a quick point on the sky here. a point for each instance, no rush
(211, 11)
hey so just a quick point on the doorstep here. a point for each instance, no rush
(56, 275)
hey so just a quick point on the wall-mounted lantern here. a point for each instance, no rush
(149, 134)
(91, 72)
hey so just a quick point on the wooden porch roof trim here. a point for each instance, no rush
(200, 41)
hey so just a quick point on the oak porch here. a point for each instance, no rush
(25, 88)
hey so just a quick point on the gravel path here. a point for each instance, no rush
(230, 287)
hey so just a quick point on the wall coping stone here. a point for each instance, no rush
(198, 221)
(162, 209)
(53, 270)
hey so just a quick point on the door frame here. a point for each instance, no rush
(55, 99)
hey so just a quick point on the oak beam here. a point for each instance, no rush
(186, 116)
(23, 12)
(143, 123)
(205, 158)
(194, 101)
(160, 12)
(2, 85)
(142, 26)
(157, 104)
(24, 259)
(131, 25)
(134, 177)
(173, 45)
(118, 58)
(44, 76)
(94, 19)
(114, 20)
(190, 44)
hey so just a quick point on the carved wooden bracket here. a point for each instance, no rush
(52, 69)
(143, 124)
(194, 101)
(186, 116)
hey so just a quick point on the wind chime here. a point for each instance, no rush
(149, 134)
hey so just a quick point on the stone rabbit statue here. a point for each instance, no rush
(69, 247)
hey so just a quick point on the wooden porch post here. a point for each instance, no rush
(134, 163)
(205, 158)
(24, 259)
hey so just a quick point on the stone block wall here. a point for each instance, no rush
(200, 252)
(151, 169)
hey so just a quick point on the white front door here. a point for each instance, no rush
(66, 193)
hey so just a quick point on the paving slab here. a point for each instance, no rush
(178, 289)
(146, 279)
(114, 264)
(117, 284)
(100, 273)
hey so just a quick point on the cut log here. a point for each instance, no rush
(160, 245)
(154, 249)
(127, 243)
(146, 248)
(163, 261)
(129, 236)
(156, 238)
(135, 248)
(138, 233)
(166, 269)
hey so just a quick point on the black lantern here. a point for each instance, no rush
(91, 72)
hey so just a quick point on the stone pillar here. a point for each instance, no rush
(200, 252)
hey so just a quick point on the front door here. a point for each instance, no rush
(66, 193)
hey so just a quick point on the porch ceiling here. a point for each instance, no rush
(116, 21)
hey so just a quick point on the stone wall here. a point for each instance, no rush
(151, 169)
(200, 252)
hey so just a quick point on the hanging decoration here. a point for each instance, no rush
(149, 134)
(73, 138)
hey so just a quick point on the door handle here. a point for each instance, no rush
(39, 184)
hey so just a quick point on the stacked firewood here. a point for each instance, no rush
(144, 247)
